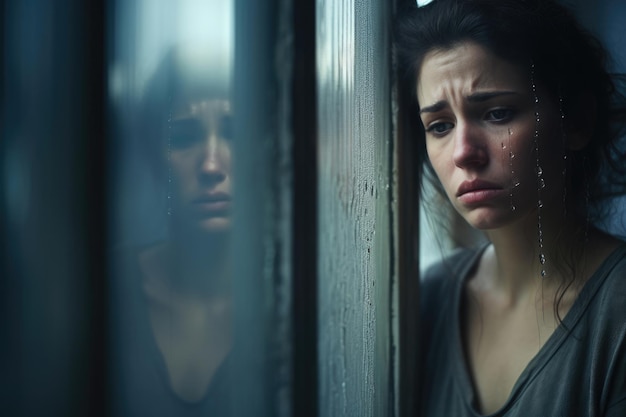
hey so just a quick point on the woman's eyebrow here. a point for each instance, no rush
(488, 95)
(472, 98)
(186, 123)
(434, 108)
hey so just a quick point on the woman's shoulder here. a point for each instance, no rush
(612, 276)
(127, 255)
(616, 261)
(453, 267)
(443, 278)
(606, 326)
(125, 267)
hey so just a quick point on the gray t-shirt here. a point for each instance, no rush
(140, 383)
(580, 371)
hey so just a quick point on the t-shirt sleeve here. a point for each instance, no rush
(615, 314)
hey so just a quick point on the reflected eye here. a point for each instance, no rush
(226, 128)
(499, 115)
(185, 133)
(439, 128)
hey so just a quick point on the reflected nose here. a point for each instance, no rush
(469, 149)
(212, 169)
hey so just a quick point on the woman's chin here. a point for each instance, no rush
(214, 225)
(486, 220)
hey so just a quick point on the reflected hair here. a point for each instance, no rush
(184, 74)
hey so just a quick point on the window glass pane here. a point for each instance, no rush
(171, 271)
(355, 205)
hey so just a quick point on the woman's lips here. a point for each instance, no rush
(213, 203)
(479, 191)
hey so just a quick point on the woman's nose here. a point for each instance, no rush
(211, 167)
(469, 148)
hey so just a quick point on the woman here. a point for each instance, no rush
(520, 125)
(173, 305)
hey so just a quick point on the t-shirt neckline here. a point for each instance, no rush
(547, 351)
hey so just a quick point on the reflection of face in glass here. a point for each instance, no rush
(200, 162)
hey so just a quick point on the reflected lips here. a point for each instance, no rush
(213, 203)
(479, 191)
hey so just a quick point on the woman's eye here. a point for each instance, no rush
(226, 127)
(181, 140)
(499, 115)
(184, 134)
(439, 128)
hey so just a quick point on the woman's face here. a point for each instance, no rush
(199, 149)
(478, 112)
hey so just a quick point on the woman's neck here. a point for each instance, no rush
(568, 246)
(189, 266)
(200, 266)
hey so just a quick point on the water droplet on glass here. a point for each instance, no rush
(539, 171)
(540, 204)
(543, 273)
(542, 183)
(542, 259)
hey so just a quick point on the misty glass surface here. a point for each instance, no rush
(355, 207)
(173, 202)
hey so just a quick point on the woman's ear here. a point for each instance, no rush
(580, 120)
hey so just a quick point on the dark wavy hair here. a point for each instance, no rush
(569, 62)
